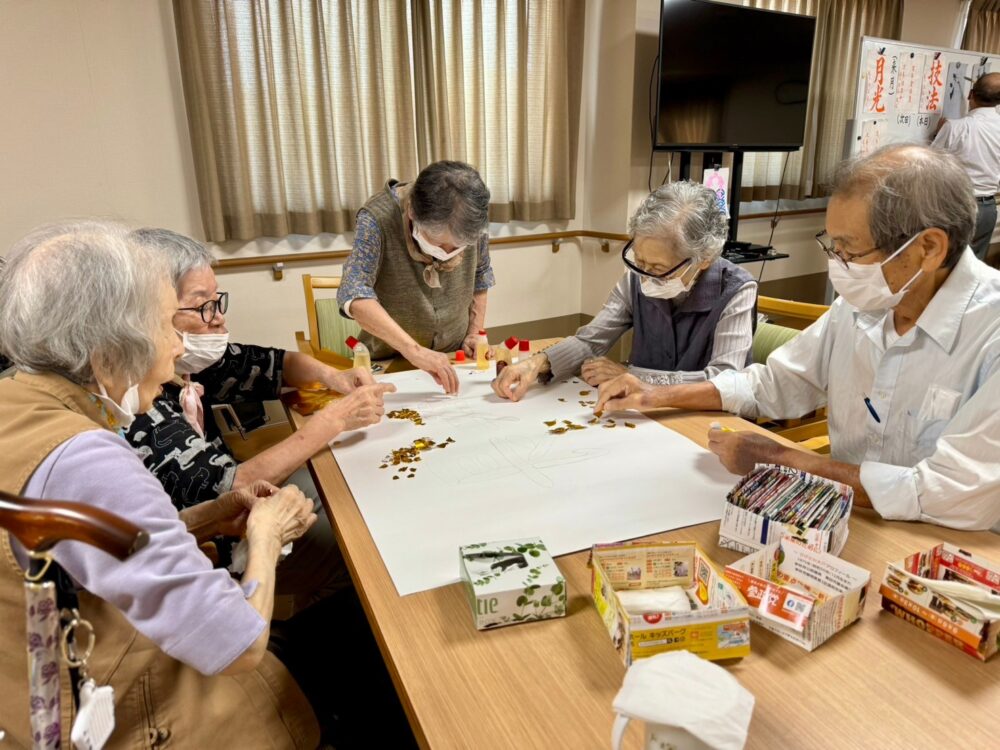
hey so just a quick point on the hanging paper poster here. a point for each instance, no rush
(911, 68)
(871, 136)
(932, 84)
(875, 75)
(717, 180)
(954, 97)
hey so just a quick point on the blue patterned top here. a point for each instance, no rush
(362, 266)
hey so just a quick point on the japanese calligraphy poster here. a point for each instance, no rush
(954, 98)
(911, 70)
(871, 135)
(875, 82)
(932, 84)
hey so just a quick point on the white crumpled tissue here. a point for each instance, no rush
(687, 703)
(239, 563)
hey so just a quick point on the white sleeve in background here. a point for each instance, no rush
(794, 380)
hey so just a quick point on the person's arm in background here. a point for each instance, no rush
(477, 310)
(358, 409)
(300, 370)
(565, 358)
(792, 383)
(358, 300)
(731, 343)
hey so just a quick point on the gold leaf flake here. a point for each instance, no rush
(550, 423)
(630, 425)
(584, 393)
(558, 430)
(562, 399)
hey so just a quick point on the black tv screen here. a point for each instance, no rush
(732, 77)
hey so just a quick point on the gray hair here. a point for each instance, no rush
(78, 293)
(686, 213)
(450, 195)
(909, 188)
(181, 253)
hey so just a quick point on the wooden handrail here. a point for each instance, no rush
(277, 262)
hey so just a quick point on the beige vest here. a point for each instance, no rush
(158, 700)
(436, 318)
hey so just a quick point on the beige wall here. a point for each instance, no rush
(95, 125)
(933, 22)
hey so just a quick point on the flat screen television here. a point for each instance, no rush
(732, 78)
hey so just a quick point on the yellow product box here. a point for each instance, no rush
(716, 627)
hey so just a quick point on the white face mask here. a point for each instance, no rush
(433, 250)
(865, 287)
(664, 289)
(125, 412)
(201, 350)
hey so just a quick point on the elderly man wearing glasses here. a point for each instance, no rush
(905, 360)
(691, 312)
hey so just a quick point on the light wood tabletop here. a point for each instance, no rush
(881, 683)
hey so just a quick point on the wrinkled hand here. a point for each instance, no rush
(233, 508)
(360, 408)
(469, 346)
(284, 516)
(346, 381)
(437, 366)
(515, 380)
(740, 451)
(621, 394)
(601, 370)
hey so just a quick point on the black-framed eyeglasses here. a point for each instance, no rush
(825, 243)
(628, 258)
(208, 310)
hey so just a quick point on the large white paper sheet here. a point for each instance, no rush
(506, 477)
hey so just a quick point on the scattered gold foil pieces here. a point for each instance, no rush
(609, 424)
(558, 430)
(410, 414)
(550, 423)
(630, 425)
(584, 393)
(595, 420)
(410, 454)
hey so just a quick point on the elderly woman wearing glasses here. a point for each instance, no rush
(86, 318)
(691, 312)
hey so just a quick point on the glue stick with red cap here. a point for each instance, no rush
(460, 357)
(362, 357)
(523, 350)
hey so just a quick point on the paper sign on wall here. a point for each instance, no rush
(717, 179)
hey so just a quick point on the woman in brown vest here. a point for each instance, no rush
(417, 278)
(86, 319)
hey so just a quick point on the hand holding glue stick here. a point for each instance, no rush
(720, 426)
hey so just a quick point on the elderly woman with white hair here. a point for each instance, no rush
(417, 279)
(690, 311)
(86, 320)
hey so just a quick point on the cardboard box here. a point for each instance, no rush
(718, 626)
(510, 582)
(804, 596)
(745, 531)
(949, 619)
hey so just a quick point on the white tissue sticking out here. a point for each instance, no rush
(239, 563)
(667, 599)
(686, 702)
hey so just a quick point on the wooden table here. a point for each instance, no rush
(881, 683)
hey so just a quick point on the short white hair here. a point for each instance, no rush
(181, 253)
(686, 213)
(79, 292)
